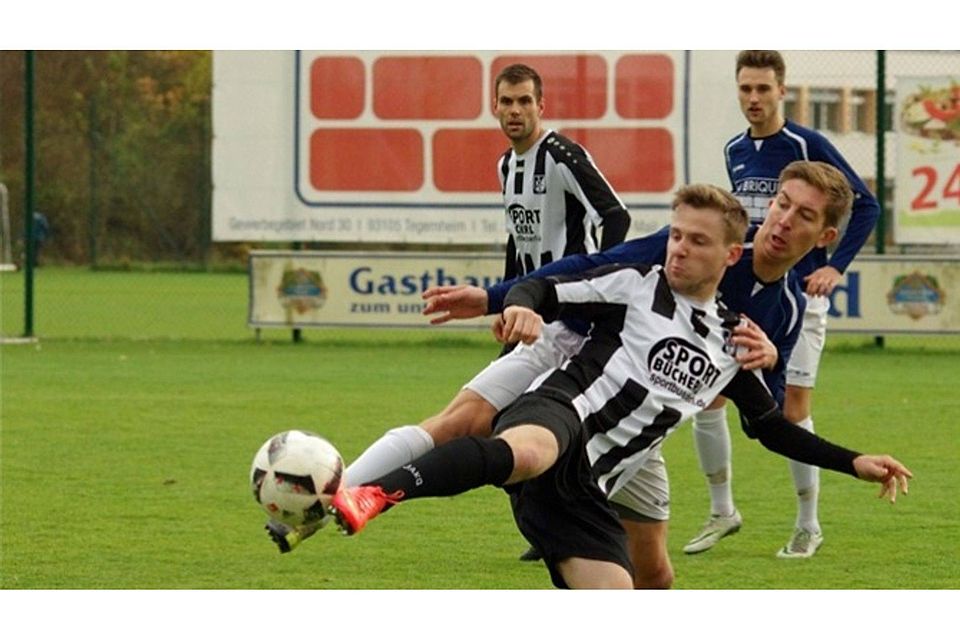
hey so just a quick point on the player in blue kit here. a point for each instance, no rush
(754, 160)
(660, 348)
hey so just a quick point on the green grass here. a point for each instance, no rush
(124, 462)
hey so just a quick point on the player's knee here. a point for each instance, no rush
(659, 576)
(796, 403)
(529, 461)
(535, 449)
(462, 418)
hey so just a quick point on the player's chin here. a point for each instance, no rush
(678, 280)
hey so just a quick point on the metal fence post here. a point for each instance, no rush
(881, 230)
(29, 248)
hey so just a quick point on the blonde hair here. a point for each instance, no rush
(707, 196)
(828, 179)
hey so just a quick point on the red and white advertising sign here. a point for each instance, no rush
(403, 146)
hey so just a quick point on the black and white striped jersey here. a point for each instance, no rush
(653, 359)
(555, 198)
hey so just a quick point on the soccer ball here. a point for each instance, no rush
(295, 475)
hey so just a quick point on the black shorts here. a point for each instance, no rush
(563, 513)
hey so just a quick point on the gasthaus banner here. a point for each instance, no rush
(313, 289)
(304, 289)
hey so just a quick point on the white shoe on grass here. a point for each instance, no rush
(715, 528)
(802, 544)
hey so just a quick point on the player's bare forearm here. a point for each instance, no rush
(456, 302)
(889, 472)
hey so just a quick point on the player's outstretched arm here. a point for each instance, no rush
(455, 302)
(891, 473)
(762, 419)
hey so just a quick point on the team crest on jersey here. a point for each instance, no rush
(681, 367)
(539, 183)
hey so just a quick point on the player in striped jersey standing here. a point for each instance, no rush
(659, 351)
(754, 160)
(554, 196)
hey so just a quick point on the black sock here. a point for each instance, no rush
(451, 469)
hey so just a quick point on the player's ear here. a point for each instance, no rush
(734, 252)
(828, 236)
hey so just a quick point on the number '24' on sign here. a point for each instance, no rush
(928, 198)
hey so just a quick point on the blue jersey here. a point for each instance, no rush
(754, 166)
(776, 306)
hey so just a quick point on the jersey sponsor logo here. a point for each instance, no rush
(757, 186)
(524, 222)
(682, 368)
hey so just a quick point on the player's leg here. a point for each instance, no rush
(566, 516)
(797, 405)
(471, 411)
(531, 434)
(643, 505)
(467, 414)
(711, 437)
(585, 573)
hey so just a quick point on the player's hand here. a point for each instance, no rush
(758, 351)
(885, 470)
(456, 302)
(517, 324)
(822, 281)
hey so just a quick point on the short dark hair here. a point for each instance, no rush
(517, 73)
(756, 59)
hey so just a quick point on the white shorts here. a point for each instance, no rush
(504, 379)
(805, 359)
(646, 494)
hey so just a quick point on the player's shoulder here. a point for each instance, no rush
(563, 149)
(796, 131)
(741, 138)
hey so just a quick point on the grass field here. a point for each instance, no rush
(125, 454)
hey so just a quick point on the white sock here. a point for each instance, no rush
(392, 450)
(712, 440)
(806, 480)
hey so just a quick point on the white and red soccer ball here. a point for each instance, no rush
(295, 475)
